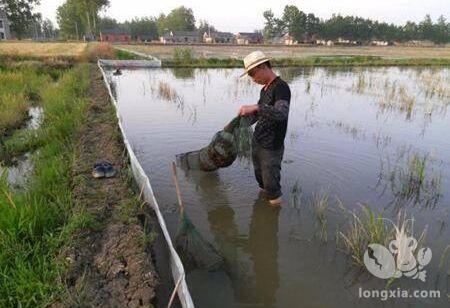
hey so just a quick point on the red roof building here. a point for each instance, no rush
(114, 35)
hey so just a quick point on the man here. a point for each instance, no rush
(271, 112)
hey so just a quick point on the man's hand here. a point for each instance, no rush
(247, 109)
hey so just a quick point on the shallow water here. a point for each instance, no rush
(19, 169)
(354, 135)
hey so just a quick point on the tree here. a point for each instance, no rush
(312, 25)
(205, 26)
(294, 22)
(270, 25)
(107, 23)
(145, 26)
(88, 13)
(179, 19)
(71, 25)
(77, 17)
(426, 28)
(47, 28)
(409, 31)
(441, 31)
(20, 14)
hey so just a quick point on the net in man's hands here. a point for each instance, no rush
(228, 144)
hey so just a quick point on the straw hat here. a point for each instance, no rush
(253, 60)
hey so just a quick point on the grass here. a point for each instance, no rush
(284, 56)
(36, 223)
(166, 92)
(19, 90)
(365, 228)
(57, 55)
(280, 51)
(308, 61)
(43, 50)
(414, 181)
(320, 206)
(13, 112)
(435, 85)
(444, 257)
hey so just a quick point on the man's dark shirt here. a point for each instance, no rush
(272, 115)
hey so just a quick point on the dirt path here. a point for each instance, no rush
(110, 265)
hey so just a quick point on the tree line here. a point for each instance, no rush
(304, 27)
(25, 22)
(79, 19)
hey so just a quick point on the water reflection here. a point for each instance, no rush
(183, 73)
(263, 249)
(251, 260)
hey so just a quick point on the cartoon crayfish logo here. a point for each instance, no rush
(399, 260)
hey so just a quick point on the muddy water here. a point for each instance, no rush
(354, 135)
(19, 169)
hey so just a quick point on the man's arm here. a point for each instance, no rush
(278, 112)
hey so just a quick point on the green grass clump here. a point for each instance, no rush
(37, 222)
(125, 55)
(365, 228)
(13, 112)
(19, 89)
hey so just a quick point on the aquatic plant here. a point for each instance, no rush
(435, 85)
(413, 181)
(444, 256)
(296, 195)
(166, 92)
(183, 55)
(320, 207)
(364, 229)
(308, 86)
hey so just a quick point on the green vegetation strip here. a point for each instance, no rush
(35, 224)
(308, 61)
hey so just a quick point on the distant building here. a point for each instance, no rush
(145, 38)
(420, 43)
(325, 42)
(218, 37)
(380, 43)
(5, 33)
(114, 35)
(245, 38)
(285, 39)
(345, 42)
(181, 37)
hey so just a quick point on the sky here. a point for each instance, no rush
(246, 15)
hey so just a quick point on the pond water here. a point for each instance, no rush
(356, 136)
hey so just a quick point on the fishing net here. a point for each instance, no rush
(193, 249)
(195, 252)
(226, 145)
(243, 135)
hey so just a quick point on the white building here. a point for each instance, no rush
(5, 34)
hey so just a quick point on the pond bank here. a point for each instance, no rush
(110, 260)
(309, 61)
